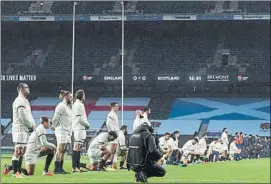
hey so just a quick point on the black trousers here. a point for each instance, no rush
(154, 170)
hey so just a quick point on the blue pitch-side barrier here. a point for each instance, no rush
(176, 17)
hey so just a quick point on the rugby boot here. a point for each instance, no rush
(7, 169)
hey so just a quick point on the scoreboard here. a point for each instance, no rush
(146, 78)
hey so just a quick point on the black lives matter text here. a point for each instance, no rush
(18, 77)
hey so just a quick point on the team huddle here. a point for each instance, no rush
(69, 118)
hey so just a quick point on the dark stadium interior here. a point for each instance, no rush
(64, 7)
(180, 48)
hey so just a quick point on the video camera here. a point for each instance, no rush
(155, 125)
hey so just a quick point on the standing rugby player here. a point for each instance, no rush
(79, 125)
(38, 146)
(146, 113)
(22, 126)
(112, 123)
(138, 120)
(224, 139)
(62, 122)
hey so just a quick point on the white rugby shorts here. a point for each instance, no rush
(62, 137)
(20, 138)
(185, 155)
(80, 135)
(31, 159)
(94, 155)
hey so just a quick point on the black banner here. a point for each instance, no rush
(210, 77)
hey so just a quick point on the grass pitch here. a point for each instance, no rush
(245, 171)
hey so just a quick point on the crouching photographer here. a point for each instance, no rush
(143, 154)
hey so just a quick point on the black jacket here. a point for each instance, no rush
(142, 149)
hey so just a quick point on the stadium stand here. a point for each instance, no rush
(175, 6)
(82, 7)
(175, 47)
(255, 6)
(97, 48)
(60, 7)
(103, 7)
(96, 7)
(14, 7)
(252, 47)
(217, 113)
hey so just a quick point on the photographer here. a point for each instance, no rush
(143, 154)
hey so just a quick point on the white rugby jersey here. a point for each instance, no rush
(112, 121)
(233, 148)
(174, 144)
(121, 139)
(215, 146)
(202, 146)
(36, 141)
(137, 123)
(99, 141)
(224, 139)
(62, 120)
(79, 116)
(22, 116)
(163, 143)
(34, 144)
(145, 118)
(188, 146)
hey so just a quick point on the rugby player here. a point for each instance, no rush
(112, 123)
(201, 148)
(98, 152)
(174, 142)
(214, 150)
(146, 113)
(37, 146)
(122, 151)
(79, 125)
(62, 122)
(22, 126)
(224, 139)
(138, 120)
(189, 149)
(234, 151)
(166, 147)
